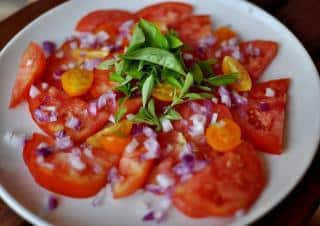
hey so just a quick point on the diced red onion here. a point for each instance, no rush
(64, 142)
(224, 96)
(113, 175)
(108, 98)
(88, 153)
(92, 108)
(111, 118)
(48, 47)
(236, 53)
(207, 41)
(241, 100)
(58, 73)
(53, 116)
(153, 149)
(90, 64)
(149, 216)
(52, 202)
(99, 198)
(102, 36)
(252, 51)
(148, 132)
(154, 188)
(269, 92)
(264, 107)
(15, 139)
(214, 118)
(137, 129)
(166, 125)
(44, 151)
(131, 147)
(87, 40)
(185, 150)
(33, 92)
(125, 27)
(76, 151)
(76, 162)
(60, 134)
(41, 116)
(164, 181)
(198, 124)
(73, 45)
(73, 123)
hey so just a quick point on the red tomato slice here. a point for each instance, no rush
(168, 13)
(199, 27)
(134, 171)
(257, 56)
(232, 182)
(54, 171)
(114, 18)
(65, 107)
(262, 120)
(31, 68)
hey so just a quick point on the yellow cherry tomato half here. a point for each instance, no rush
(164, 92)
(113, 138)
(224, 135)
(230, 65)
(76, 82)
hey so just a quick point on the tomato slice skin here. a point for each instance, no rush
(63, 179)
(168, 13)
(31, 68)
(114, 18)
(262, 120)
(65, 106)
(232, 182)
(257, 64)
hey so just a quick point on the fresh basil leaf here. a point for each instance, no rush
(223, 80)
(156, 56)
(173, 115)
(147, 89)
(206, 95)
(119, 67)
(115, 77)
(107, 64)
(193, 96)
(153, 35)
(206, 66)
(203, 88)
(188, 82)
(171, 77)
(140, 65)
(174, 41)
(120, 113)
(151, 108)
(126, 89)
(137, 40)
(197, 73)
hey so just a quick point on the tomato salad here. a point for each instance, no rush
(155, 100)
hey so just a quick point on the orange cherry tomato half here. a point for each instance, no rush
(224, 135)
(230, 65)
(164, 92)
(113, 138)
(76, 82)
(224, 33)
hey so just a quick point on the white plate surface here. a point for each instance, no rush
(303, 123)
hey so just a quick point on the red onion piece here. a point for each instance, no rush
(44, 151)
(48, 47)
(154, 188)
(92, 108)
(52, 202)
(224, 96)
(137, 129)
(64, 142)
(107, 99)
(241, 100)
(264, 107)
(58, 73)
(153, 149)
(90, 64)
(73, 123)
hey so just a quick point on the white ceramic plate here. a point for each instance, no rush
(303, 125)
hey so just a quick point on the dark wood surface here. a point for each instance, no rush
(302, 17)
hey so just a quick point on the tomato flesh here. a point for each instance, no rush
(262, 119)
(62, 178)
(232, 182)
(31, 68)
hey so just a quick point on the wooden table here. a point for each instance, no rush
(302, 17)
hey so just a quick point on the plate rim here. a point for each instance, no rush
(267, 207)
